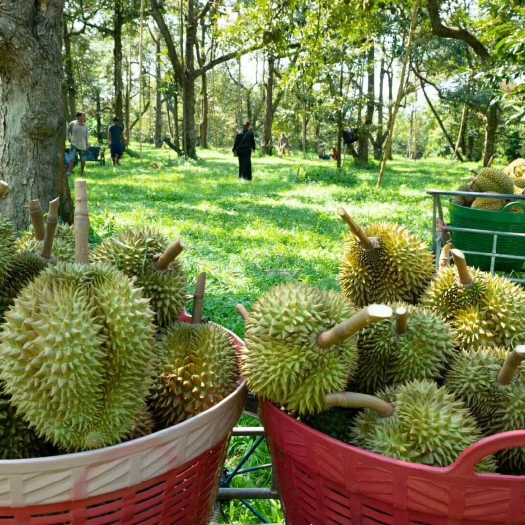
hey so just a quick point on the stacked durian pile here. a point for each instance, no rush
(93, 354)
(418, 378)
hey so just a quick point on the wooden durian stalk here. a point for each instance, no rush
(81, 223)
(198, 299)
(401, 315)
(444, 257)
(357, 400)
(365, 241)
(243, 312)
(162, 262)
(368, 315)
(3, 188)
(37, 219)
(461, 264)
(511, 364)
(51, 227)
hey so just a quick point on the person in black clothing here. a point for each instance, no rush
(243, 146)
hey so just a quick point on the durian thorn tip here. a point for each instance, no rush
(243, 312)
(461, 264)
(169, 255)
(506, 374)
(357, 400)
(365, 241)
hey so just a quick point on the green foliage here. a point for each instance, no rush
(326, 175)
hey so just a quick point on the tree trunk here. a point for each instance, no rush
(32, 117)
(203, 126)
(460, 143)
(370, 99)
(268, 119)
(490, 133)
(304, 127)
(100, 134)
(71, 90)
(158, 107)
(118, 21)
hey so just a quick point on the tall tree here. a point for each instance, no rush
(32, 118)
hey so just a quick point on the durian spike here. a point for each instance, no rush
(3, 188)
(370, 314)
(444, 256)
(51, 227)
(81, 223)
(243, 312)
(356, 400)
(506, 374)
(461, 264)
(365, 241)
(198, 299)
(169, 255)
(37, 219)
(402, 316)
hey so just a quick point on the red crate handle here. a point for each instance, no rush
(471, 456)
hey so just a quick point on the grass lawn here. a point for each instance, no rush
(248, 237)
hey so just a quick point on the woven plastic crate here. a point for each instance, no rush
(169, 477)
(499, 221)
(323, 481)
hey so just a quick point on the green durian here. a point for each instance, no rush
(7, 242)
(497, 401)
(335, 422)
(134, 252)
(397, 266)
(492, 180)
(463, 200)
(516, 170)
(283, 359)
(199, 363)
(416, 345)
(486, 310)
(77, 353)
(482, 203)
(142, 426)
(428, 426)
(63, 243)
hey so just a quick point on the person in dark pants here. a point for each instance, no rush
(116, 141)
(242, 148)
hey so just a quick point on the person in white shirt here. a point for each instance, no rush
(78, 134)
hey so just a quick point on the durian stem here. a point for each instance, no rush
(3, 188)
(444, 257)
(198, 299)
(51, 227)
(365, 241)
(402, 316)
(243, 312)
(461, 264)
(81, 223)
(368, 315)
(356, 400)
(506, 374)
(37, 219)
(169, 255)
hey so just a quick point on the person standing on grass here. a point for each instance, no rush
(116, 141)
(78, 135)
(243, 146)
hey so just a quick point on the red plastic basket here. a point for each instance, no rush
(323, 481)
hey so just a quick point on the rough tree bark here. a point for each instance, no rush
(118, 22)
(158, 103)
(364, 135)
(32, 117)
(70, 87)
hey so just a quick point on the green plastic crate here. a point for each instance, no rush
(499, 221)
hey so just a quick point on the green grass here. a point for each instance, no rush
(248, 237)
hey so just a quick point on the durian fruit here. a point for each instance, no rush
(489, 204)
(384, 263)
(417, 344)
(463, 200)
(299, 345)
(519, 183)
(516, 169)
(492, 384)
(335, 422)
(492, 180)
(139, 254)
(198, 367)
(7, 242)
(142, 426)
(419, 423)
(484, 309)
(77, 349)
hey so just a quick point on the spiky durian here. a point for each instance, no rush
(200, 369)
(335, 422)
(285, 360)
(519, 183)
(496, 399)
(516, 169)
(76, 355)
(482, 203)
(143, 426)
(133, 251)
(492, 180)
(484, 309)
(7, 241)
(428, 426)
(386, 263)
(463, 200)
(416, 345)
(63, 243)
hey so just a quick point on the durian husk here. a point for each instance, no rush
(473, 377)
(132, 251)
(63, 243)
(389, 358)
(463, 200)
(77, 354)
(335, 422)
(516, 170)
(7, 242)
(489, 204)
(493, 180)
(143, 426)
(198, 369)
(429, 426)
(282, 361)
(398, 268)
